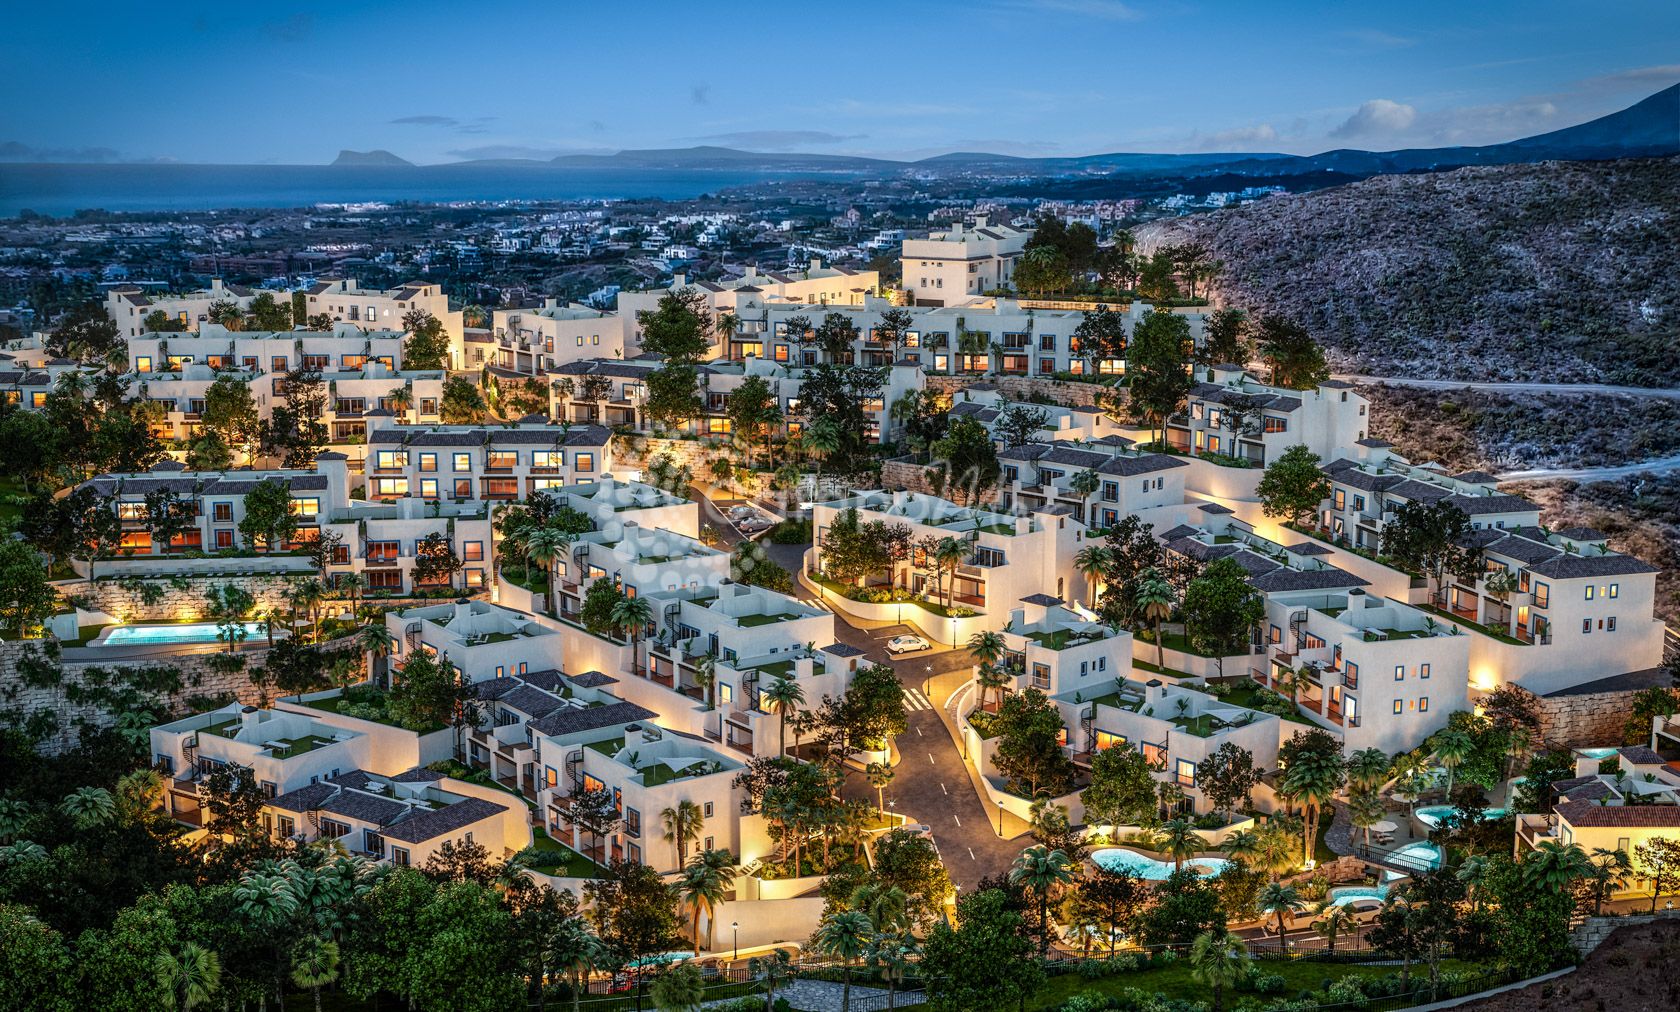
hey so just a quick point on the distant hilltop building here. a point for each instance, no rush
(959, 265)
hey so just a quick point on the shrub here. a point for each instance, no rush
(790, 532)
(1089, 1001)
(1270, 983)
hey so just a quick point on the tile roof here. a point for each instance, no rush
(1148, 463)
(1481, 505)
(1373, 442)
(1044, 599)
(592, 679)
(1476, 478)
(842, 650)
(1564, 566)
(1580, 534)
(572, 719)
(1215, 508)
(1583, 814)
(304, 799)
(1641, 755)
(1284, 579)
(1307, 548)
(363, 807)
(531, 701)
(428, 825)
(1645, 678)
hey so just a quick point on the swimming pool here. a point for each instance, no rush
(1144, 866)
(169, 635)
(1341, 896)
(1597, 753)
(1433, 815)
(1418, 855)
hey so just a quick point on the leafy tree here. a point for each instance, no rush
(230, 415)
(1185, 907)
(633, 910)
(1122, 791)
(1114, 899)
(269, 517)
(267, 313)
(26, 598)
(986, 961)
(752, 410)
(159, 322)
(428, 694)
(1043, 269)
(1029, 752)
(673, 395)
(832, 399)
(435, 560)
(1019, 423)
(873, 707)
(1100, 336)
(1659, 701)
(1225, 338)
(39, 969)
(600, 602)
(1430, 538)
(835, 336)
(1293, 487)
(677, 329)
(234, 803)
(1227, 775)
(1044, 873)
(1221, 610)
(294, 430)
(678, 989)
(462, 956)
(1157, 367)
(894, 328)
(1313, 771)
(462, 402)
(427, 346)
(909, 862)
(1295, 358)
(968, 468)
(86, 334)
(1658, 859)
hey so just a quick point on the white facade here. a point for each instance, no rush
(959, 265)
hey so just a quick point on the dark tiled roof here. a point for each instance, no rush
(423, 826)
(1215, 508)
(1481, 505)
(1181, 531)
(1522, 549)
(548, 680)
(1307, 548)
(363, 807)
(304, 799)
(1283, 579)
(1374, 442)
(1055, 509)
(1645, 678)
(1641, 755)
(842, 650)
(494, 688)
(1419, 491)
(572, 720)
(1476, 478)
(1582, 814)
(1147, 463)
(1044, 599)
(1365, 481)
(1580, 534)
(530, 701)
(592, 679)
(1565, 566)
(418, 775)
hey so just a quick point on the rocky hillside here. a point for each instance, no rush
(1556, 271)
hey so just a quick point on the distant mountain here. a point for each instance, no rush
(376, 157)
(1557, 271)
(708, 157)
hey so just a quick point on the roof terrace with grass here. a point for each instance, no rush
(251, 737)
(1182, 721)
(651, 757)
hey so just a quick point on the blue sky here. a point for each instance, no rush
(258, 81)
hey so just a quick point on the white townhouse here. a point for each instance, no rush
(479, 639)
(403, 819)
(1085, 423)
(129, 305)
(346, 301)
(1063, 651)
(1036, 475)
(960, 264)
(342, 349)
(1366, 493)
(1233, 414)
(382, 541)
(489, 462)
(1006, 557)
(816, 286)
(539, 340)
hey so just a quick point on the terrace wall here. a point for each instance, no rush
(183, 595)
(1068, 393)
(1585, 720)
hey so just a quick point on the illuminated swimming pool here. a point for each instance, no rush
(1433, 815)
(1418, 855)
(1144, 866)
(1341, 896)
(169, 635)
(1597, 753)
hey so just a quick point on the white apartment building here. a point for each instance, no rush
(382, 540)
(480, 639)
(536, 341)
(1366, 493)
(499, 463)
(129, 305)
(1008, 557)
(1039, 474)
(343, 349)
(1233, 415)
(959, 265)
(1063, 651)
(816, 286)
(369, 309)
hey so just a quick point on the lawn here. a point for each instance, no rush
(10, 488)
(453, 768)
(557, 859)
(536, 581)
(748, 621)
(1475, 626)
(1175, 982)
(1245, 693)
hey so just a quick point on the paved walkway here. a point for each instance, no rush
(824, 996)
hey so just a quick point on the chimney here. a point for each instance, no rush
(1358, 600)
(804, 667)
(411, 508)
(679, 279)
(248, 717)
(816, 263)
(463, 610)
(1154, 691)
(632, 735)
(1023, 525)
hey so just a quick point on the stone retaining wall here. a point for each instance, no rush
(1591, 933)
(1584, 720)
(911, 476)
(695, 454)
(183, 596)
(1068, 393)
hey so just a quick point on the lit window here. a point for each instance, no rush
(1399, 707)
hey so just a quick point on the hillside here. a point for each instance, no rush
(1555, 271)
(376, 157)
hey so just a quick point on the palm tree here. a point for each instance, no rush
(823, 438)
(1281, 901)
(678, 989)
(1368, 768)
(547, 545)
(1218, 959)
(784, 694)
(266, 902)
(1610, 869)
(886, 906)
(947, 556)
(1555, 866)
(1180, 841)
(352, 582)
(1093, 561)
(1155, 598)
(987, 648)
(894, 954)
(1043, 871)
(1365, 809)
(992, 678)
(705, 675)
(705, 882)
(88, 807)
(1333, 920)
(1243, 846)
(376, 641)
(772, 969)
(682, 827)
(1277, 848)
(629, 617)
(1313, 779)
(1452, 747)
(1411, 775)
(843, 935)
(1474, 874)
(879, 775)
(315, 965)
(137, 792)
(575, 951)
(401, 400)
(188, 977)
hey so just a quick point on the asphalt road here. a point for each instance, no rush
(1567, 389)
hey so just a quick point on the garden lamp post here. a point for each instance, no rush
(735, 926)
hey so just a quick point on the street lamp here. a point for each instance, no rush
(736, 927)
(1000, 816)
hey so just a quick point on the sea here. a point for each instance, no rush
(63, 189)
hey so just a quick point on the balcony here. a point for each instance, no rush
(1536, 829)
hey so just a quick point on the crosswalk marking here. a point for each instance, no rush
(914, 700)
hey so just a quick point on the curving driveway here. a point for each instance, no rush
(1566, 389)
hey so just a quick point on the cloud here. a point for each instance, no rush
(1490, 124)
(700, 94)
(777, 140)
(297, 28)
(1235, 139)
(427, 120)
(1378, 39)
(1376, 117)
(1648, 79)
(535, 152)
(1102, 10)
(478, 125)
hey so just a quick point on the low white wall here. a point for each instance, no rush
(934, 627)
(511, 595)
(395, 749)
(750, 888)
(1192, 664)
(1221, 482)
(764, 922)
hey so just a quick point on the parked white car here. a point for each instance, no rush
(907, 644)
(1363, 910)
